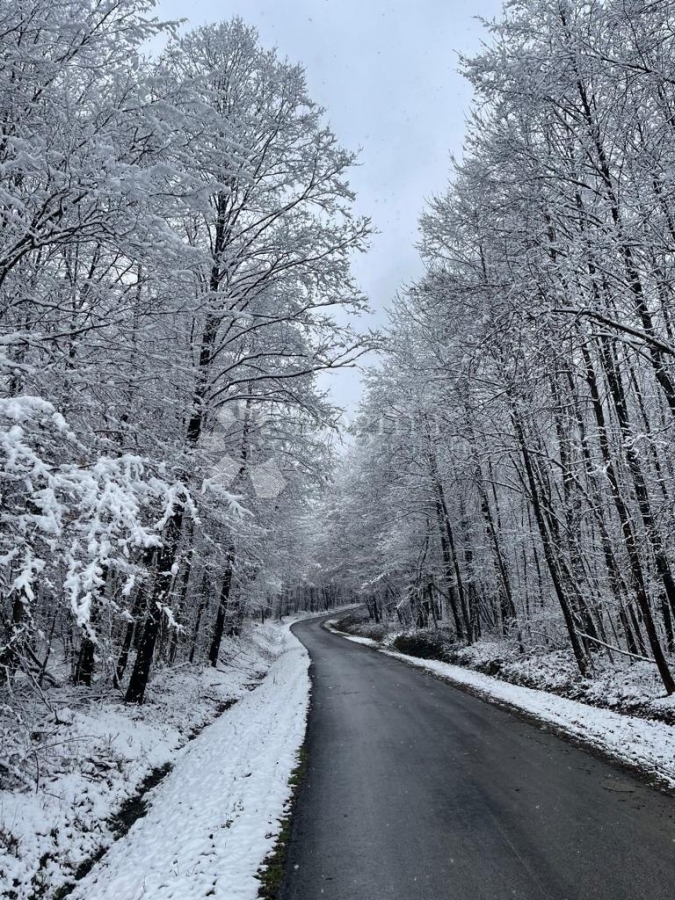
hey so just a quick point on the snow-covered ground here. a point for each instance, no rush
(332, 625)
(216, 816)
(636, 742)
(218, 808)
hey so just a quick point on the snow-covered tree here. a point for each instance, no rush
(535, 358)
(175, 238)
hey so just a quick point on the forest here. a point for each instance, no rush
(176, 237)
(177, 230)
(175, 240)
(177, 245)
(511, 477)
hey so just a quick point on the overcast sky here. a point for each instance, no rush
(387, 73)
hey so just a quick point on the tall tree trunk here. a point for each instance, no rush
(203, 603)
(622, 510)
(549, 549)
(137, 610)
(221, 614)
(181, 592)
(158, 599)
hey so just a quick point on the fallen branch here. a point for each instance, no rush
(616, 649)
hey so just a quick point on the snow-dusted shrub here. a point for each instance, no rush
(424, 644)
(76, 529)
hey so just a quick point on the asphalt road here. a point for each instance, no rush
(418, 791)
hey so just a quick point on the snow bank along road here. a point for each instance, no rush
(213, 821)
(418, 791)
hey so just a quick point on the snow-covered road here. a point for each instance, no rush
(214, 819)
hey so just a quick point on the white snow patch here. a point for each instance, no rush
(215, 818)
(367, 642)
(95, 752)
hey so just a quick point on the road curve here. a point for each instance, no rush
(418, 791)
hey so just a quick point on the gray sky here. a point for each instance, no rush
(386, 71)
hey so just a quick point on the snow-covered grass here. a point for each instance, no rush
(215, 818)
(648, 746)
(332, 626)
(93, 754)
(621, 684)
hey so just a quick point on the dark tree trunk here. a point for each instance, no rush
(456, 593)
(507, 606)
(662, 565)
(85, 662)
(181, 593)
(203, 603)
(159, 597)
(9, 656)
(549, 551)
(136, 611)
(221, 615)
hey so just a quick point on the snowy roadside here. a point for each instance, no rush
(98, 754)
(216, 816)
(641, 744)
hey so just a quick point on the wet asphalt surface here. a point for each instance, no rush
(416, 790)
